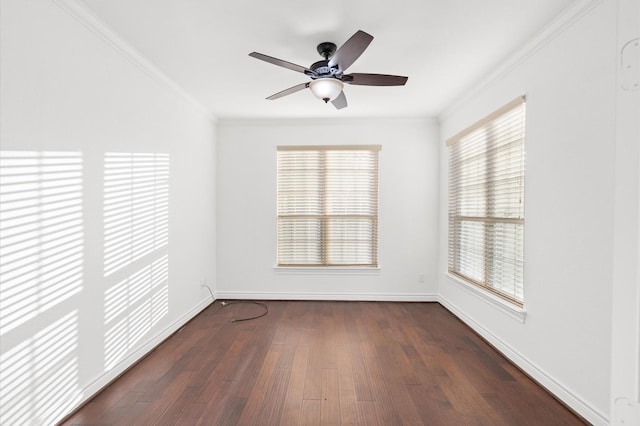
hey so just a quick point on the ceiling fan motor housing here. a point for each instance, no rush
(323, 70)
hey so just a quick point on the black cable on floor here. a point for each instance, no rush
(209, 288)
(264, 305)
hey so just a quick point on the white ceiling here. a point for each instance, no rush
(444, 46)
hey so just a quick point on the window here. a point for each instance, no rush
(328, 205)
(486, 202)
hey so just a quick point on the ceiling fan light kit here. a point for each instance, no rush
(326, 88)
(328, 77)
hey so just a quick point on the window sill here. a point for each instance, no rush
(515, 312)
(326, 270)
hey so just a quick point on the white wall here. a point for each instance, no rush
(408, 197)
(67, 325)
(625, 343)
(569, 82)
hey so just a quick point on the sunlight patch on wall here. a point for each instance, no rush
(39, 376)
(133, 306)
(136, 207)
(136, 263)
(41, 247)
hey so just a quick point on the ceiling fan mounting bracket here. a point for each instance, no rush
(327, 49)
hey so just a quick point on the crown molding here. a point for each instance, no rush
(98, 27)
(553, 29)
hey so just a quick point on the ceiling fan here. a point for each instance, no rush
(328, 75)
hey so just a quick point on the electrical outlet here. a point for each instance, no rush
(421, 278)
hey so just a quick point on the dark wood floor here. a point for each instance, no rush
(330, 363)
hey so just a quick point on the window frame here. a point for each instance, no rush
(485, 177)
(324, 218)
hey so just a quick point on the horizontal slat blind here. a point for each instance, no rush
(486, 202)
(328, 205)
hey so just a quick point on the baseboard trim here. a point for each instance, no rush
(382, 297)
(566, 396)
(127, 363)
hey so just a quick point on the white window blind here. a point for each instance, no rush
(328, 205)
(486, 202)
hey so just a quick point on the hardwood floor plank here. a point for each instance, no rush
(346, 387)
(360, 377)
(210, 374)
(158, 405)
(271, 410)
(292, 409)
(312, 383)
(393, 367)
(310, 414)
(384, 408)
(367, 414)
(174, 411)
(191, 414)
(229, 415)
(255, 399)
(221, 403)
(463, 396)
(313, 375)
(325, 363)
(253, 357)
(287, 354)
(433, 406)
(330, 398)
(121, 410)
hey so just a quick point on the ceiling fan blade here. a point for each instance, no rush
(350, 50)
(281, 63)
(375, 79)
(340, 102)
(290, 90)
